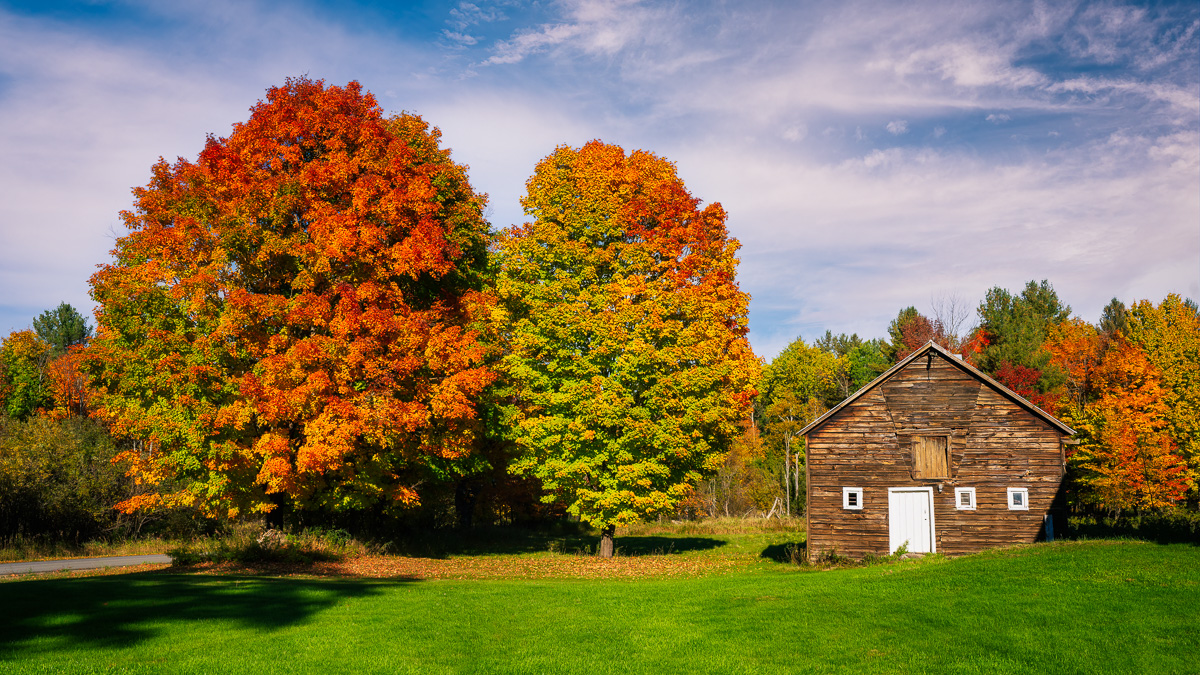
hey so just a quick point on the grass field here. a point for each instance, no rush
(715, 603)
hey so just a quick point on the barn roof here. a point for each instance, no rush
(933, 347)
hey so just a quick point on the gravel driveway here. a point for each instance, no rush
(80, 563)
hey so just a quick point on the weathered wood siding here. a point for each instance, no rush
(994, 444)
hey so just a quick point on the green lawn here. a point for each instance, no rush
(1066, 607)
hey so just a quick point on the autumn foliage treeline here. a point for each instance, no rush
(313, 320)
(1129, 384)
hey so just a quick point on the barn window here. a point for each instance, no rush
(1018, 499)
(931, 457)
(964, 499)
(852, 498)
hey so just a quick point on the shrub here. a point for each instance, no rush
(1172, 525)
(247, 544)
(58, 481)
(831, 558)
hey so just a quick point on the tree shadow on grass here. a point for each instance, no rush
(120, 611)
(634, 545)
(512, 541)
(491, 541)
(792, 553)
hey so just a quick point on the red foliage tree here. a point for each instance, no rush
(916, 329)
(293, 316)
(1023, 380)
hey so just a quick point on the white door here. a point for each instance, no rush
(910, 519)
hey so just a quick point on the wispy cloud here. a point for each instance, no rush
(529, 42)
(963, 64)
(870, 153)
(649, 37)
(468, 14)
(1176, 97)
(461, 38)
(966, 224)
(795, 133)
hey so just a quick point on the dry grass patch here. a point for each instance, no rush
(488, 567)
(657, 550)
(715, 526)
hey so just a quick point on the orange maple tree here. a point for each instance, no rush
(292, 317)
(1127, 459)
(1077, 349)
(68, 384)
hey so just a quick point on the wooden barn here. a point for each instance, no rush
(935, 455)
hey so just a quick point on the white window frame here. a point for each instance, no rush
(1024, 492)
(846, 492)
(958, 492)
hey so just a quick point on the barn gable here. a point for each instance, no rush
(932, 438)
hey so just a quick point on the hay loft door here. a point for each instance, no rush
(910, 519)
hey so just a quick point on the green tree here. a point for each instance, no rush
(838, 345)
(860, 361)
(1114, 319)
(24, 385)
(62, 328)
(1015, 329)
(59, 481)
(865, 362)
(804, 372)
(896, 333)
(799, 385)
(627, 335)
(785, 417)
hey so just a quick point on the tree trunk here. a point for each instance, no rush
(274, 517)
(465, 496)
(787, 474)
(607, 547)
(796, 479)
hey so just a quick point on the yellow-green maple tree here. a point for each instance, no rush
(290, 317)
(626, 334)
(24, 389)
(1169, 333)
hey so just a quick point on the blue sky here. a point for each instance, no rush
(872, 155)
